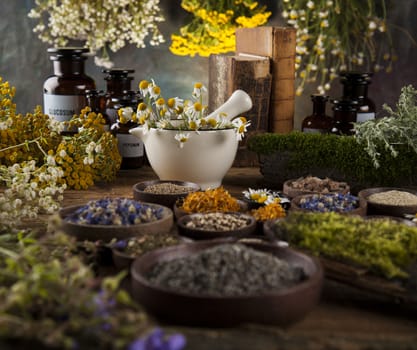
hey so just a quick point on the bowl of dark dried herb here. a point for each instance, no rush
(115, 218)
(223, 284)
(163, 192)
(215, 225)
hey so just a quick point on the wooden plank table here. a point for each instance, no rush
(345, 319)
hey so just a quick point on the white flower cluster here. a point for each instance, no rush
(29, 191)
(100, 23)
(335, 36)
(92, 149)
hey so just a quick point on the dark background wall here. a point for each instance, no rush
(25, 63)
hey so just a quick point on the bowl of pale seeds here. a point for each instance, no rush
(163, 192)
(391, 201)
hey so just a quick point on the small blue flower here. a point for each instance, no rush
(157, 341)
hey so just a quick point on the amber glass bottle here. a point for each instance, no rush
(118, 81)
(64, 91)
(355, 87)
(344, 115)
(318, 122)
(96, 101)
(131, 148)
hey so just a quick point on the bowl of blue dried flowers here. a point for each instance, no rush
(115, 218)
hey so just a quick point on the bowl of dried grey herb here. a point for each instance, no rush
(221, 283)
(163, 192)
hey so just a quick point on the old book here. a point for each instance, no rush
(250, 73)
(278, 43)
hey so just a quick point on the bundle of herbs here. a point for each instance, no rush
(393, 132)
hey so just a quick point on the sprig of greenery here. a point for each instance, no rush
(48, 294)
(399, 127)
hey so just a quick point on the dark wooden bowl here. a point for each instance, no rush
(166, 199)
(295, 206)
(374, 208)
(106, 233)
(199, 234)
(282, 307)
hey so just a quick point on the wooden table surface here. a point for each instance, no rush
(345, 319)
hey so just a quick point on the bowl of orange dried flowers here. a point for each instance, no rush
(210, 200)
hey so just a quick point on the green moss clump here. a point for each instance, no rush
(385, 247)
(342, 153)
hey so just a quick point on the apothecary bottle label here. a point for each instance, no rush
(314, 131)
(129, 146)
(363, 117)
(63, 107)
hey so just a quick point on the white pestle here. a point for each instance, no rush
(238, 103)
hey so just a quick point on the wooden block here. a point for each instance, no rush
(278, 43)
(283, 126)
(252, 74)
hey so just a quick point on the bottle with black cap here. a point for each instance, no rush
(64, 91)
(131, 149)
(355, 87)
(344, 115)
(118, 81)
(318, 122)
(96, 101)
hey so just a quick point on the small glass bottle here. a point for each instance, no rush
(118, 81)
(344, 115)
(96, 101)
(64, 91)
(130, 147)
(355, 87)
(318, 122)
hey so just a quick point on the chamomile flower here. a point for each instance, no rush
(241, 126)
(182, 138)
(199, 89)
(125, 114)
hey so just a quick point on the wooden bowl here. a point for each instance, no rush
(200, 234)
(295, 205)
(166, 199)
(387, 209)
(106, 233)
(292, 192)
(281, 307)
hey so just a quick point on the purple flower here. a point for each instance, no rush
(157, 341)
(121, 245)
(103, 304)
